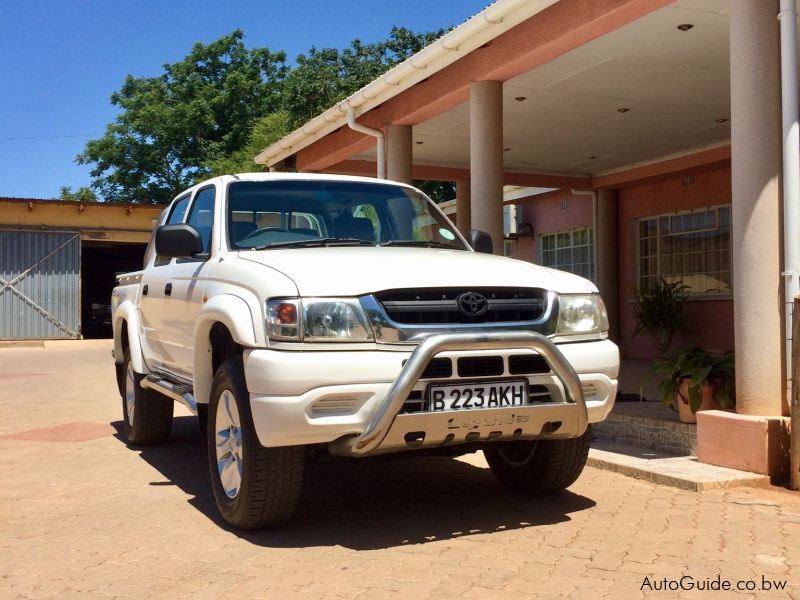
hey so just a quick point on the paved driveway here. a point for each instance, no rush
(83, 515)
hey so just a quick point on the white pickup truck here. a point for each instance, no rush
(299, 315)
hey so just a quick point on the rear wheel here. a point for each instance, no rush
(147, 415)
(254, 487)
(539, 466)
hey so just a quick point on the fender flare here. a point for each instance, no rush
(126, 313)
(234, 313)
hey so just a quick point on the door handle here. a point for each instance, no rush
(168, 289)
(144, 290)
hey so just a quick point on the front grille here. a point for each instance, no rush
(414, 403)
(480, 366)
(439, 306)
(524, 364)
(438, 368)
(539, 393)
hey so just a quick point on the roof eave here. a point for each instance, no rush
(488, 24)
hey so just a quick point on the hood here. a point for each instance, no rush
(354, 271)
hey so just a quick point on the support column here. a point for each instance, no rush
(486, 158)
(399, 162)
(606, 265)
(756, 216)
(755, 439)
(463, 206)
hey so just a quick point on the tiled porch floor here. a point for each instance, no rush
(646, 424)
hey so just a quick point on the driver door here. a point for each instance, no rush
(188, 283)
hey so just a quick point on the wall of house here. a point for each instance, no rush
(710, 320)
(559, 210)
(523, 248)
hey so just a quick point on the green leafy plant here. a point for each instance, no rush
(658, 310)
(701, 368)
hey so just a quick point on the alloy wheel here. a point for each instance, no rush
(228, 442)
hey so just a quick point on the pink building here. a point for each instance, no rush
(658, 125)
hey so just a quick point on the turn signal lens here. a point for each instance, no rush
(287, 314)
(283, 320)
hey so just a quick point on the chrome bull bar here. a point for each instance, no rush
(384, 417)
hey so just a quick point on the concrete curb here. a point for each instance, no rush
(683, 472)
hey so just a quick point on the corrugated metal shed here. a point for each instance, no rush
(39, 285)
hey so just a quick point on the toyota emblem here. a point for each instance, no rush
(472, 304)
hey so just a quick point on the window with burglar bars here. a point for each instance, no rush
(691, 247)
(571, 251)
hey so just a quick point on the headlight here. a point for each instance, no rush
(581, 314)
(330, 320)
(318, 320)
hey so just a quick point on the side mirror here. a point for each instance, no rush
(480, 241)
(178, 241)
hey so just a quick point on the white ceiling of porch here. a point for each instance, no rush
(676, 85)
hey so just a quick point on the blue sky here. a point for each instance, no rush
(60, 60)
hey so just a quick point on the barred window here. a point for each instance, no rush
(571, 251)
(692, 247)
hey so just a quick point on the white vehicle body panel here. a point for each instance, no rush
(285, 388)
(171, 335)
(355, 271)
(168, 321)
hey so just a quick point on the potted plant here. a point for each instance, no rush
(695, 379)
(658, 311)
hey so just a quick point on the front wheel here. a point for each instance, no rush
(254, 487)
(539, 466)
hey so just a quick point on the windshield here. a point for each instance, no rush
(280, 214)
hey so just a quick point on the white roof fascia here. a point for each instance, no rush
(511, 193)
(488, 24)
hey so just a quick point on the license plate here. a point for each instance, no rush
(496, 394)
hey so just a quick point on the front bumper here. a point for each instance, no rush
(351, 399)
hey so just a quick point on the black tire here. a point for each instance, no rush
(271, 478)
(539, 466)
(152, 413)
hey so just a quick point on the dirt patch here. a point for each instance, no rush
(78, 431)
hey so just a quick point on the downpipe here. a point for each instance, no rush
(791, 209)
(376, 133)
(791, 162)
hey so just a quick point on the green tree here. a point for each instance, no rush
(325, 76)
(173, 126)
(83, 194)
(439, 191)
(265, 131)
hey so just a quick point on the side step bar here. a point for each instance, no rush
(177, 391)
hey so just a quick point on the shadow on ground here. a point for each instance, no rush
(370, 504)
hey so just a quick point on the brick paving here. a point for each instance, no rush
(82, 515)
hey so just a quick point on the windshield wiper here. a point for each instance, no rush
(329, 241)
(423, 243)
